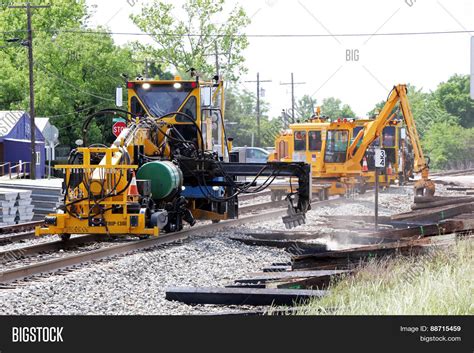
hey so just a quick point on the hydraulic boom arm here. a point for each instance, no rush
(423, 187)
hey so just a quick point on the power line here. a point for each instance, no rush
(71, 84)
(105, 72)
(292, 83)
(258, 81)
(306, 35)
(72, 113)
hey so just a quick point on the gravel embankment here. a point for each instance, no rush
(136, 284)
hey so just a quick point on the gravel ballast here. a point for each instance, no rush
(136, 283)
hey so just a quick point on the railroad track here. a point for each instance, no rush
(246, 197)
(24, 231)
(17, 237)
(64, 262)
(51, 246)
(16, 228)
(83, 240)
(8, 233)
(18, 232)
(453, 172)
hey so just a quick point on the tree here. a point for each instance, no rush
(242, 122)
(80, 76)
(155, 70)
(425, 108)
(305, 107)
(332, 108)
(450, 146)
(75, 73)
(447, 143)
(427, 111)
(454, 97)
(192, 40)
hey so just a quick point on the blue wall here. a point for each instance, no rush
(16, 144)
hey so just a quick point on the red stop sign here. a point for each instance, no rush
(118, 127)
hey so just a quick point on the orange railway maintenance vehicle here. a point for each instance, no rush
(338, 151)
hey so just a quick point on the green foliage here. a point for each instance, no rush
(333, 108)
(427, 111)
(193, 39)
(242, 122)
(454, 97)
(75, 74)
(425, 108)
(442, 118)
(449, 145)
(80, 75)
(305, 107)
(156, 70)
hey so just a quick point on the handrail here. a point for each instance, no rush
(19, 168)
(3, 168)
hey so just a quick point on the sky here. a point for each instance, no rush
(322, 64)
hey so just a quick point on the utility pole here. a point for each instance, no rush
(217, 58)
(29, 43)
(146, 64)
(292, 83)
(258, 81)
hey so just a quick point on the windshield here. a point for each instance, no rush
(389, 136)
(336, 146)
(161, 99)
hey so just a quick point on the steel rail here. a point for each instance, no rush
(21, 252)
(16, 237)
(56, 264)
(452, 172)
(20, 227)
(246, 197)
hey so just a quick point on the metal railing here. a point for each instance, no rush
(2, 166)
(20, 170)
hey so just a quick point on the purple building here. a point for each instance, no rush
(15, 141)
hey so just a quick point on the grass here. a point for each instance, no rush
(438, 283)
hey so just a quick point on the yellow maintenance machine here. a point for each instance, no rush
(397, 147)
(161, 170)
(338, 151)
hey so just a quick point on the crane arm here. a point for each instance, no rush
(375, 128)
(424, 186)
(420, 163)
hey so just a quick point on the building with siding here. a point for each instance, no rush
(15, 141)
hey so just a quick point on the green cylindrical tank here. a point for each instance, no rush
(166, 178)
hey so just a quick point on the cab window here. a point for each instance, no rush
(136, 107)
(314, 141)
(300, 140)
(388, 136)
(356, 132)
(336, 146)
(189, 109)
(282, 150)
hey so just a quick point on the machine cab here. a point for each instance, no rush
(302, 142)
(185, 105)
